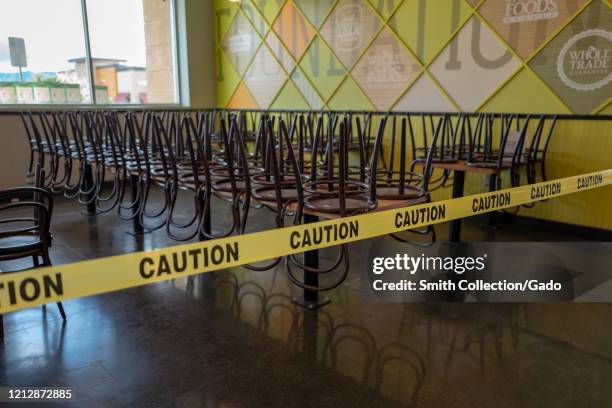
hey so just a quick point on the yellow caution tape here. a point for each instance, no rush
(20, 290)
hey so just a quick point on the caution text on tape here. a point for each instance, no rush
(20, 290)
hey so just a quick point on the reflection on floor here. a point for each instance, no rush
(235, 339)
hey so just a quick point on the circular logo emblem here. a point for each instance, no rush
(585, 61)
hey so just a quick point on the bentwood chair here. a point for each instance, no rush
(175, 172)
(223, 172)
(536, 154)
(395, 182)
(500, 153)
(445, 150)
(279, 186)
(439, 142)
(331, 193)
(338, 194)
(42, 146)
(24, 226)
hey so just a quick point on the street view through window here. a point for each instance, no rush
(43, 54)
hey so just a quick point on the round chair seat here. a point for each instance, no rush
(19, 243)
(222, 170)
(289, 180)
(386, 192)
(331, 205)
(133, 165)
(351, 187)
(268, 193)
(444, 159)
(224, 185)
(485, 164)
(189, 178)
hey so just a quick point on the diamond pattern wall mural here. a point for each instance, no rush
(227, 78)
(256, 19)
(315, 10)
(293, 30)
(349, 96)
(240, 43)
(264, 77)
(424, 95)
(577, 63)
(269, 8)
(349, 29)
(289, 95)
(415, 55)
(310, 94)
(279, 51)
(526, 25)
(473, 65)
(385, 7)
(224, 15)
(426, 26)
(385, 70)
(322, 68)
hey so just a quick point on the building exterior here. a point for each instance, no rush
(124, 84)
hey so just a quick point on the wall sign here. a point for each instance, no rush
(584, 62)
(577, 63)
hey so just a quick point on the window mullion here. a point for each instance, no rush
(90, 72)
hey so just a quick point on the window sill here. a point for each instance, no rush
(16, 108)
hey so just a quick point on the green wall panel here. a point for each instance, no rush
(322, 68)
(224, 15)
(350, 96)
(227, 79)
(426, 26)
(269, 8)
(525, 86)
(290, 98)
(315, 10)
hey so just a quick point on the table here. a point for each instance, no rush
(311, 298)
(459, 169)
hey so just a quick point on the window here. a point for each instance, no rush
(44, 57)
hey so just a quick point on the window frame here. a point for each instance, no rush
(176, 65)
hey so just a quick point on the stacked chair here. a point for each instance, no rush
(292, 164)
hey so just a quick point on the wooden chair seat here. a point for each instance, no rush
(391, 192)
(19, 246)
(224, 185)
(351, 187)
(487, 164)
(268, 194)
(331, 205)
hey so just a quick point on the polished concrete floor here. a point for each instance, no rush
(235, 339)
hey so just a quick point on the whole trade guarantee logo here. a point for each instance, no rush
(584, 63)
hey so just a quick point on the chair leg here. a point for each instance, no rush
(36, 263)
(61, 309)
(47, 262)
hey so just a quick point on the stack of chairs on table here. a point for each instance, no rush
(322, 163)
